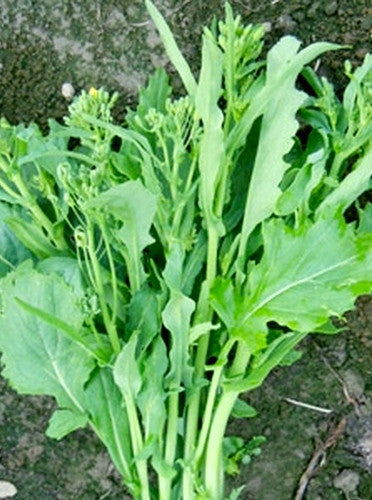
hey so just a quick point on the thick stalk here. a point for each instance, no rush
(137, 445)
(165, 483)
(214, 473)
(192, 418)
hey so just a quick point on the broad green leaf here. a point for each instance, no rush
(173, 52)
(305, 275)
(126, 371)
(63, 422)
(152, 395)
(352, 186)
(81, 337)
(38, 357)
(66, 267)
(212, 143)
(227, 303)
(109, 420)
(176, 318)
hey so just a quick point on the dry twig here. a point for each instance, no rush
(319, 458)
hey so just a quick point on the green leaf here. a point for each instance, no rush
(298, 193)
(109, 420)
(365, 219)
(266, 362)
(243, 410)
(228, 305)
(126, 372)
(352, 186)
(305, 275)
(152, 395)
(173, 52)
(12, 251)
(212, 143)
(278, 103)
(176, 318)
(66, 267)
(143, 317)
(153, 96)
(31, 237)
(38, 357)
(63, 422)
(135, 206)
(83, 339)
(291, 357)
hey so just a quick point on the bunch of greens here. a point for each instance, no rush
(152, 273)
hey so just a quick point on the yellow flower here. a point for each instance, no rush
(93, 92)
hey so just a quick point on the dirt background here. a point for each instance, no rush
(44, 44)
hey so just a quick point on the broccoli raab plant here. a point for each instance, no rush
(154, 272)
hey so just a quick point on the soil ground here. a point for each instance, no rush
(42, 45)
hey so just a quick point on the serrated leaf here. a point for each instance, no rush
(39, 358)
(66, 267)
(63, 422)
(365, 219)
(305, 275)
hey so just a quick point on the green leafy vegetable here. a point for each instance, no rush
(153, 272)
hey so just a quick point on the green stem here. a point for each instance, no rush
(110, 326)
(137, 445)
(200, 361)
(165, 483)
(37, 212)
(214, 474)
(112, 271)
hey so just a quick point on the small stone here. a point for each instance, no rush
(347, 481)
(286, 23)
(331, 8)
(67, 91)
(267, 26)
(7, 489)
(354, 382)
